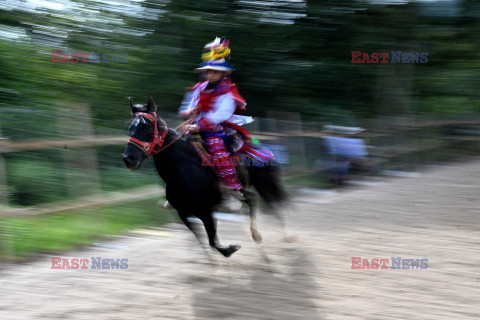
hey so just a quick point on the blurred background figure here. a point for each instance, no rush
(348, 154)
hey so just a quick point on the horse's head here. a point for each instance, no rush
(146, 137)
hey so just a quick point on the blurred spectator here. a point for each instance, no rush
(348, 155)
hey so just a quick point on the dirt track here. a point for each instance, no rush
(434, 216)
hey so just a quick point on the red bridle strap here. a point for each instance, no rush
(152, 147)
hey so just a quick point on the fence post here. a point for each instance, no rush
(6, 240)
(81, 166)
(3, 175)
(291, 122)
(3, 182)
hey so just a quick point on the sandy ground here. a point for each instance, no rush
(434, 216)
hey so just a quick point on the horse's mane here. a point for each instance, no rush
(182, 144)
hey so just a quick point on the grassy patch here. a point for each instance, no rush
(23, 236)
(315, 180)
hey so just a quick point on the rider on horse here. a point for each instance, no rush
(213, 107)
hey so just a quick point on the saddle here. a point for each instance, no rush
(244, 150)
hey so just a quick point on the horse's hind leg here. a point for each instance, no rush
(251, 201)
(280, 213)
(210, 227)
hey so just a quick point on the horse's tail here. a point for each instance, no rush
(266, 180)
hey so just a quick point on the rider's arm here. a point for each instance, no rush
(189, 102)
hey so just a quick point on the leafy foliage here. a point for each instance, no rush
(288, 55)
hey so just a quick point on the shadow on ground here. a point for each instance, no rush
(284, 290)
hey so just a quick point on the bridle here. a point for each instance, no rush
(155, 146)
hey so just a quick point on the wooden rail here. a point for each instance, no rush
(103, 199)
(7, 146)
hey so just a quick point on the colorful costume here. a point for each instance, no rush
(216, 106)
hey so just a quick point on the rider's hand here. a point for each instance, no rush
(193, 128)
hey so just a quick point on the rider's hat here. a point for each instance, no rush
(216, 55)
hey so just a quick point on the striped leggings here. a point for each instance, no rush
(223, 166)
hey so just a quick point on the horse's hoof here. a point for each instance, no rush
(228, 251)
(234, 248)
(168, 206)
(256, 236)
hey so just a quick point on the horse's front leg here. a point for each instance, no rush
(251, 201)
(193, 228)
(211, 228)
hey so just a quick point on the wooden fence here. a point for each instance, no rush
(387, 141)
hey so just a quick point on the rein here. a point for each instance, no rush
(156, 145)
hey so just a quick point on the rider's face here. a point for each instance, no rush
(214, 75)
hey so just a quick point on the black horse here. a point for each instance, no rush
(193, 189)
